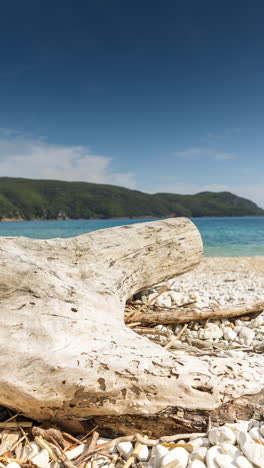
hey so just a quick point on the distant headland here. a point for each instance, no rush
(30, 199)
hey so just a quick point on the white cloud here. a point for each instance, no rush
(24, 156)
(253, 192)
(200, 152)
(192, 152)
(230, 132)
(218, 156)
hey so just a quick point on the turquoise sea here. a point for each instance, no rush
(221, 236)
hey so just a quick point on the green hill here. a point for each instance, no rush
(51, 199)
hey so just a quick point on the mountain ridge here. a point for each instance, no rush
(40, 199)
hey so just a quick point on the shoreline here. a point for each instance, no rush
(8, 220)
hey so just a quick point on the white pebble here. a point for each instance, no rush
(255, 433)
(199, 442)
(26, 451)
(243, 462)
(34, 451)
(125, 449)
(238, 322)
(257, 322)
(178, 455)
(247, 335)
(225, 461)
(230, 449)
(75, 452)
(219, 435)
(198, 454)
(229, 334)
(13, 465)
(143, 454)
(210, 332)
(211, 455)
(104, 440)
(164, 300)
(196, 464)
(157, 453)
(254, 452)
(42, 459)
(176, 298)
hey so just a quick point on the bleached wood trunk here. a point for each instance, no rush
(66, 353)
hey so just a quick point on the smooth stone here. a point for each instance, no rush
(104, 440)
(219, 435)
(230, 449)
(143, 454)
(257, 322)
(152, 296)
(243, 462)
(179, 455)
(75, 452)
(13, 465)
(199, 442)
(176, 298)
(211, 455)
(255, 434)
(157, 453)
(229, 334)
(254, 452)
(247, 335)
(225, 461)
(34, 451)
(42, 459)
(198, 454)
(196, 464)
(239, 323)
(125, 449)
(162, 328)
(101, 459)
(26, 451)
(225, 322)
(164, 300)
(210, 332)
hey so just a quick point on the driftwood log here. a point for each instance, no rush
(67, 356)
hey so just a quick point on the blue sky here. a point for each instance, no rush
(152, 95)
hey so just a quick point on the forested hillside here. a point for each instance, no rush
(50, 199)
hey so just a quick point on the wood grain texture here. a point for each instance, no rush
(66, 354)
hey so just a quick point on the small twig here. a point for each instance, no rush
(170, 344)
(44, 444)
(153, 299)
(13, 424)
(150, 331)
(18, 442)
(90, 448)
(133, 324)
(12, 417)
(133, 455)
(88, 434)
(172, 438)
(9, 460)
(114, 461)
(70, 437)
(26, 437)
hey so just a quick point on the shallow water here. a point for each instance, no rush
(221, 236)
